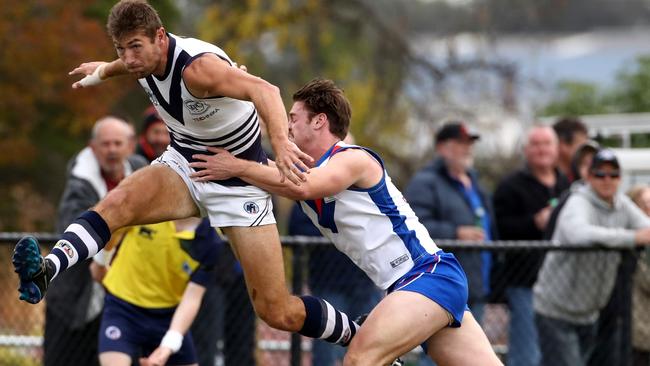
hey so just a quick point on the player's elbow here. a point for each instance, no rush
(298, 193)
(267, 88)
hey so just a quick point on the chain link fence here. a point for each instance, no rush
(227, 332)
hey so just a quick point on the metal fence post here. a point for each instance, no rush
(297, 284)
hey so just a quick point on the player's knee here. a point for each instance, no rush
(115, 207)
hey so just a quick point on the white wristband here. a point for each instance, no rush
(172, 340)
(92, 79)
(103, 257)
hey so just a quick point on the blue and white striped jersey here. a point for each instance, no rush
(376, 228)
(194, 122)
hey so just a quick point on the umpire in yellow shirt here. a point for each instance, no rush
(154, 287)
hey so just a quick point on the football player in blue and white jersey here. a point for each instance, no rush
(349, 196)
(205, 100)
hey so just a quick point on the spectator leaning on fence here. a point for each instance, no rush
(640, 194)
(451, 204)
(74, 304)
(572, 287)
(523, 202)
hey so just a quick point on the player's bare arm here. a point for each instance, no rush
(211, 76)
(348, 168)
(97, 71)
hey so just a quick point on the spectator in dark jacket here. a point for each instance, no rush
(75, 303)
(523, 202)
(451, 204)
(571, 133)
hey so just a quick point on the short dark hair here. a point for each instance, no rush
(129, 16)
(323, 96)
(567, 127)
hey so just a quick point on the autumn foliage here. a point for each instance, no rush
(43, 121)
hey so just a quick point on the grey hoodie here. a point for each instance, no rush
(575, 286)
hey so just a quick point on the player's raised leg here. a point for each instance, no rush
(152, 194)
(260, 254)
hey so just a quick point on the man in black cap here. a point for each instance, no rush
(573, 287)
(451, 204)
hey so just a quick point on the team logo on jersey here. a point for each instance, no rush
(399, 260)
(196, 107)
(112, 332)
(151, 96)
(251, 207)
(66, 247)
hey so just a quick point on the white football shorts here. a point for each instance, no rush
(224, 205)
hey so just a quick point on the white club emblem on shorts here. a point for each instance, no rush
(113, 332)
(251, 207)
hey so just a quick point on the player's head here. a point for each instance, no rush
(138, 36)
(112, 142)
(321, 100)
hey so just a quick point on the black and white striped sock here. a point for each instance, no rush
(323, 321)
(87, 235)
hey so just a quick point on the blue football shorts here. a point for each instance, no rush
(440, 278)
(137, 331)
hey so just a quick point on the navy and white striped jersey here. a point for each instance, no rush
(194, 122)
(376, 228)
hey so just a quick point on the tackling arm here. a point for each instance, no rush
(345, 169)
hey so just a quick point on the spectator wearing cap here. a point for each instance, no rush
(154, 137)
(573, 287)
(450, 202)
(523, 202)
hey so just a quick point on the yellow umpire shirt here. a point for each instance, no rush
(151, 268)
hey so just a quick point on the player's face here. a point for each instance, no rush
(141, 55)
(300, 131)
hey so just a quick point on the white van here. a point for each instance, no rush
(635, 164)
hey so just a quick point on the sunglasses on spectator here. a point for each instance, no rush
(600, 174)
